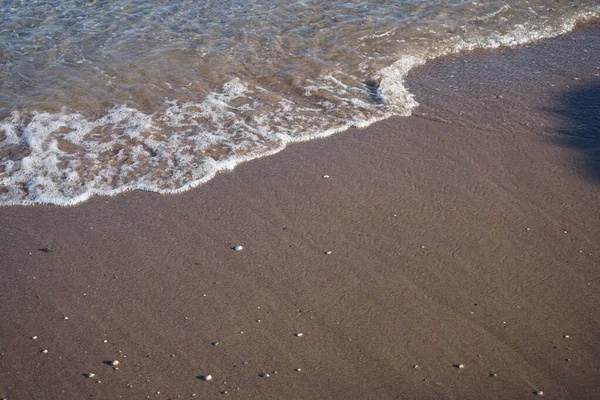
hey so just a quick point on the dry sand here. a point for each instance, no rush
(472, 241)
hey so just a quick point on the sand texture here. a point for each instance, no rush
(466, 235)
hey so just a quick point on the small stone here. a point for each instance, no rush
(214, 343)
(326, 176)
(34, 337)
(493, 374)
(66, 318)
(44, 351)
(115, 363)
(245, 362)
(298, 334)
(566, 336)
(207, 378)
(539, 393)
(90, 375)
(458, 366)
(329, 252)
(415, 366)
(105, 341)
(298, 369)
(238, 248)
(264, 375)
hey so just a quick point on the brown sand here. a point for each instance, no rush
(450, 244)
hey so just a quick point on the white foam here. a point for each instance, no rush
(67, 158)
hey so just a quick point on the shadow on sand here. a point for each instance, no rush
(580, 110)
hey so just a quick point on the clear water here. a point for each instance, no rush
(100, 96)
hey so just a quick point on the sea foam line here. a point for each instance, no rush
(43, 159)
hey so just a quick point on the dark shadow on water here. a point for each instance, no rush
(580, 109)
(372, 88)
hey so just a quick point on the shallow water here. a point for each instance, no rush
(97, 97)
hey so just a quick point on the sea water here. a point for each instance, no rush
(102, 96)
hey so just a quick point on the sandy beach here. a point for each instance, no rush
(453, 254)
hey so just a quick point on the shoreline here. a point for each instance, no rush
(450, 244)
(399, 70)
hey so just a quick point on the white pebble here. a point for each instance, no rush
(207, 378)
(566, 336)
(325, 176)
(328, 252)
(34, 337)
(539, 393)
(238, 248)
(298, 334)
(45, 351)
(91, 375)
(115, 363)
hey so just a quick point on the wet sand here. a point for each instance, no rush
(468, 235)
